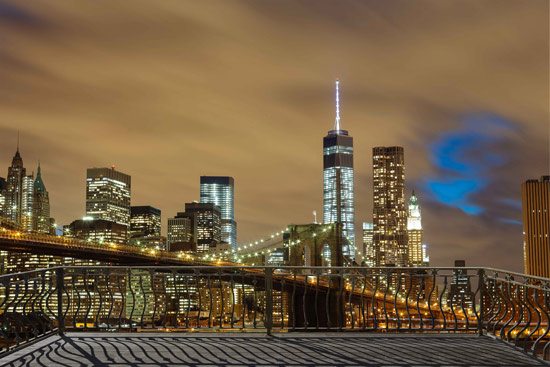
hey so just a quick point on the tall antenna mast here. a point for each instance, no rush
(337, 122)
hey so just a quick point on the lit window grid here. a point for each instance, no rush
(207, 229)
(389, 212)
(14, 185)
(41, 213)
(146, 224)
(368, 244)
(338, 149)
(222, 195)
(179, 230)
(108, 199)
(416, 257)
(330, 208)
(27, 203)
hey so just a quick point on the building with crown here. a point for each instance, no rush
(41, 220)
(338, 181)
(14, 189)
(415, 232)
(25, 198)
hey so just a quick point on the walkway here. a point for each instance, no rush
(348, 349)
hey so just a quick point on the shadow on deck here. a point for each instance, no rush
(351, 349)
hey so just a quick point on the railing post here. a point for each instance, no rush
(481, 280)
(60, 274)
(268, 299)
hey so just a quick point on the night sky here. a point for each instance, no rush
(170, 90)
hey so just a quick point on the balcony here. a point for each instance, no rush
(244, 315)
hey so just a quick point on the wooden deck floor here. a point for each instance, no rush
(140, 350)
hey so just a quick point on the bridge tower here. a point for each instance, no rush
(315, 245)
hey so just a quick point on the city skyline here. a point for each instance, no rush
(251, 125)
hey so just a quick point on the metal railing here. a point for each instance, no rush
(512, 307)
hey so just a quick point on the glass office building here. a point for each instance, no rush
(219, 190)
(338, 187)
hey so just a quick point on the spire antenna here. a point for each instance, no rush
(337, 121)
(17, 140)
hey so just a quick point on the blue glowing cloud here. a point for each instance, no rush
(464, 159)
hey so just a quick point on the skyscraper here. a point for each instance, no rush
(2, 196)
(389, 211)
(27, 199)
(338, 188)
(219, 190)
(199, 224)
(108, 195)
(206, 224)
(145, 227)
(180, 230)
(41, 221)
(14, 188)
(145, 221)
(535, 197)
(368, 244)
(460, 292)
(414, 229)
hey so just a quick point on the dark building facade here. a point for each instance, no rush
(145, 227)
(97, 230)
(200, 224)
(145, 221)
(460, 293)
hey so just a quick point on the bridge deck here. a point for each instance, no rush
(349, 349)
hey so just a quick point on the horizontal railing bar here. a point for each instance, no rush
(23, 273)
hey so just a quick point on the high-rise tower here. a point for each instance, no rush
(220, 190)
(414, 229)
(338, 192)
(145, 221)
(389, 210)
(41, 222)
(14, 188)
(535, 198)
(27, 200)
(203, 227)
(368, 244)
